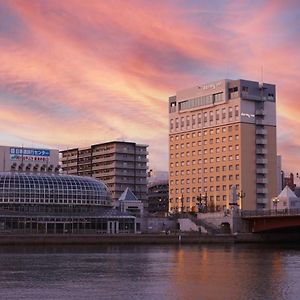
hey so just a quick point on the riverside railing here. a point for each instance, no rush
(270, 213)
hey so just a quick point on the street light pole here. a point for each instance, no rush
(275, 201)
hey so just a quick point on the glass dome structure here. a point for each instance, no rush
(48, 189)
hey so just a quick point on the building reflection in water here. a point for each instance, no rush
(228, 272)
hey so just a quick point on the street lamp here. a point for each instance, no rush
(181, 200)
(275, 201)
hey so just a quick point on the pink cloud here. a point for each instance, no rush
(107, 68)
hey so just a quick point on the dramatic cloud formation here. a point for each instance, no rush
(79, 72)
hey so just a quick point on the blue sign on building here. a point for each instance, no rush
(30, 152)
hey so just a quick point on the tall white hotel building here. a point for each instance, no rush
(222, 134)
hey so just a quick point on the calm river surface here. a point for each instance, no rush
(150, 272)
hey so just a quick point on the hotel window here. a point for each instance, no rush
(223, 158)
(176, 123)
(194, 134)
(171, 124)
(211, 188)
(218, 169)
(182, 146)
(182, 122)
(224, 177)
(218, 198)
(217, 140)
(205, 132)
(223, 187)
(205, 170)
(211, 116)
(237, 137)
(236, 111)
(230, 157)
(193, 153)
(230, 112)
(199, 161)
(193, 120)
(223, 113)
(223, 149)
(217, 115)
(217, 130)
(230, 147)
(211, 169)
(237, 176)
(188, 172)
(224, 197)
(187, 120)
(230, 177)
(237, 147)
(193, 144)
(237, 157)
(199, 133)
(223, 139)
(205, 117)
(187, 135)
(211, 160)
(230, 138)
(237, 167)
(187, 153)
(230, 167)
(224, 168)
(187, 145)
(205, 160)
(199, 118)
(218, 178)
(199, 143)
(211, 150)
(182, 136)
(217, 149)
(217, 159)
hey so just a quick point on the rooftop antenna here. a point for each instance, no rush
(261, 74)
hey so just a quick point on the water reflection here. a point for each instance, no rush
(150, 272)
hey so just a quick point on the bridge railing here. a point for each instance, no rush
(270, 212)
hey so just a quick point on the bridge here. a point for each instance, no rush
(267, 220)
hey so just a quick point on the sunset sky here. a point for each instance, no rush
(76, 73)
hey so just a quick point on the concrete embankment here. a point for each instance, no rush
(147, 239)
(115, 239)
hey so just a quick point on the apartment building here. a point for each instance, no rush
(222, 134)
(119, 165)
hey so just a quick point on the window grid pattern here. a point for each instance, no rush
(56, 189)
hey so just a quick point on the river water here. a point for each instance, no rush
(150, 272)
